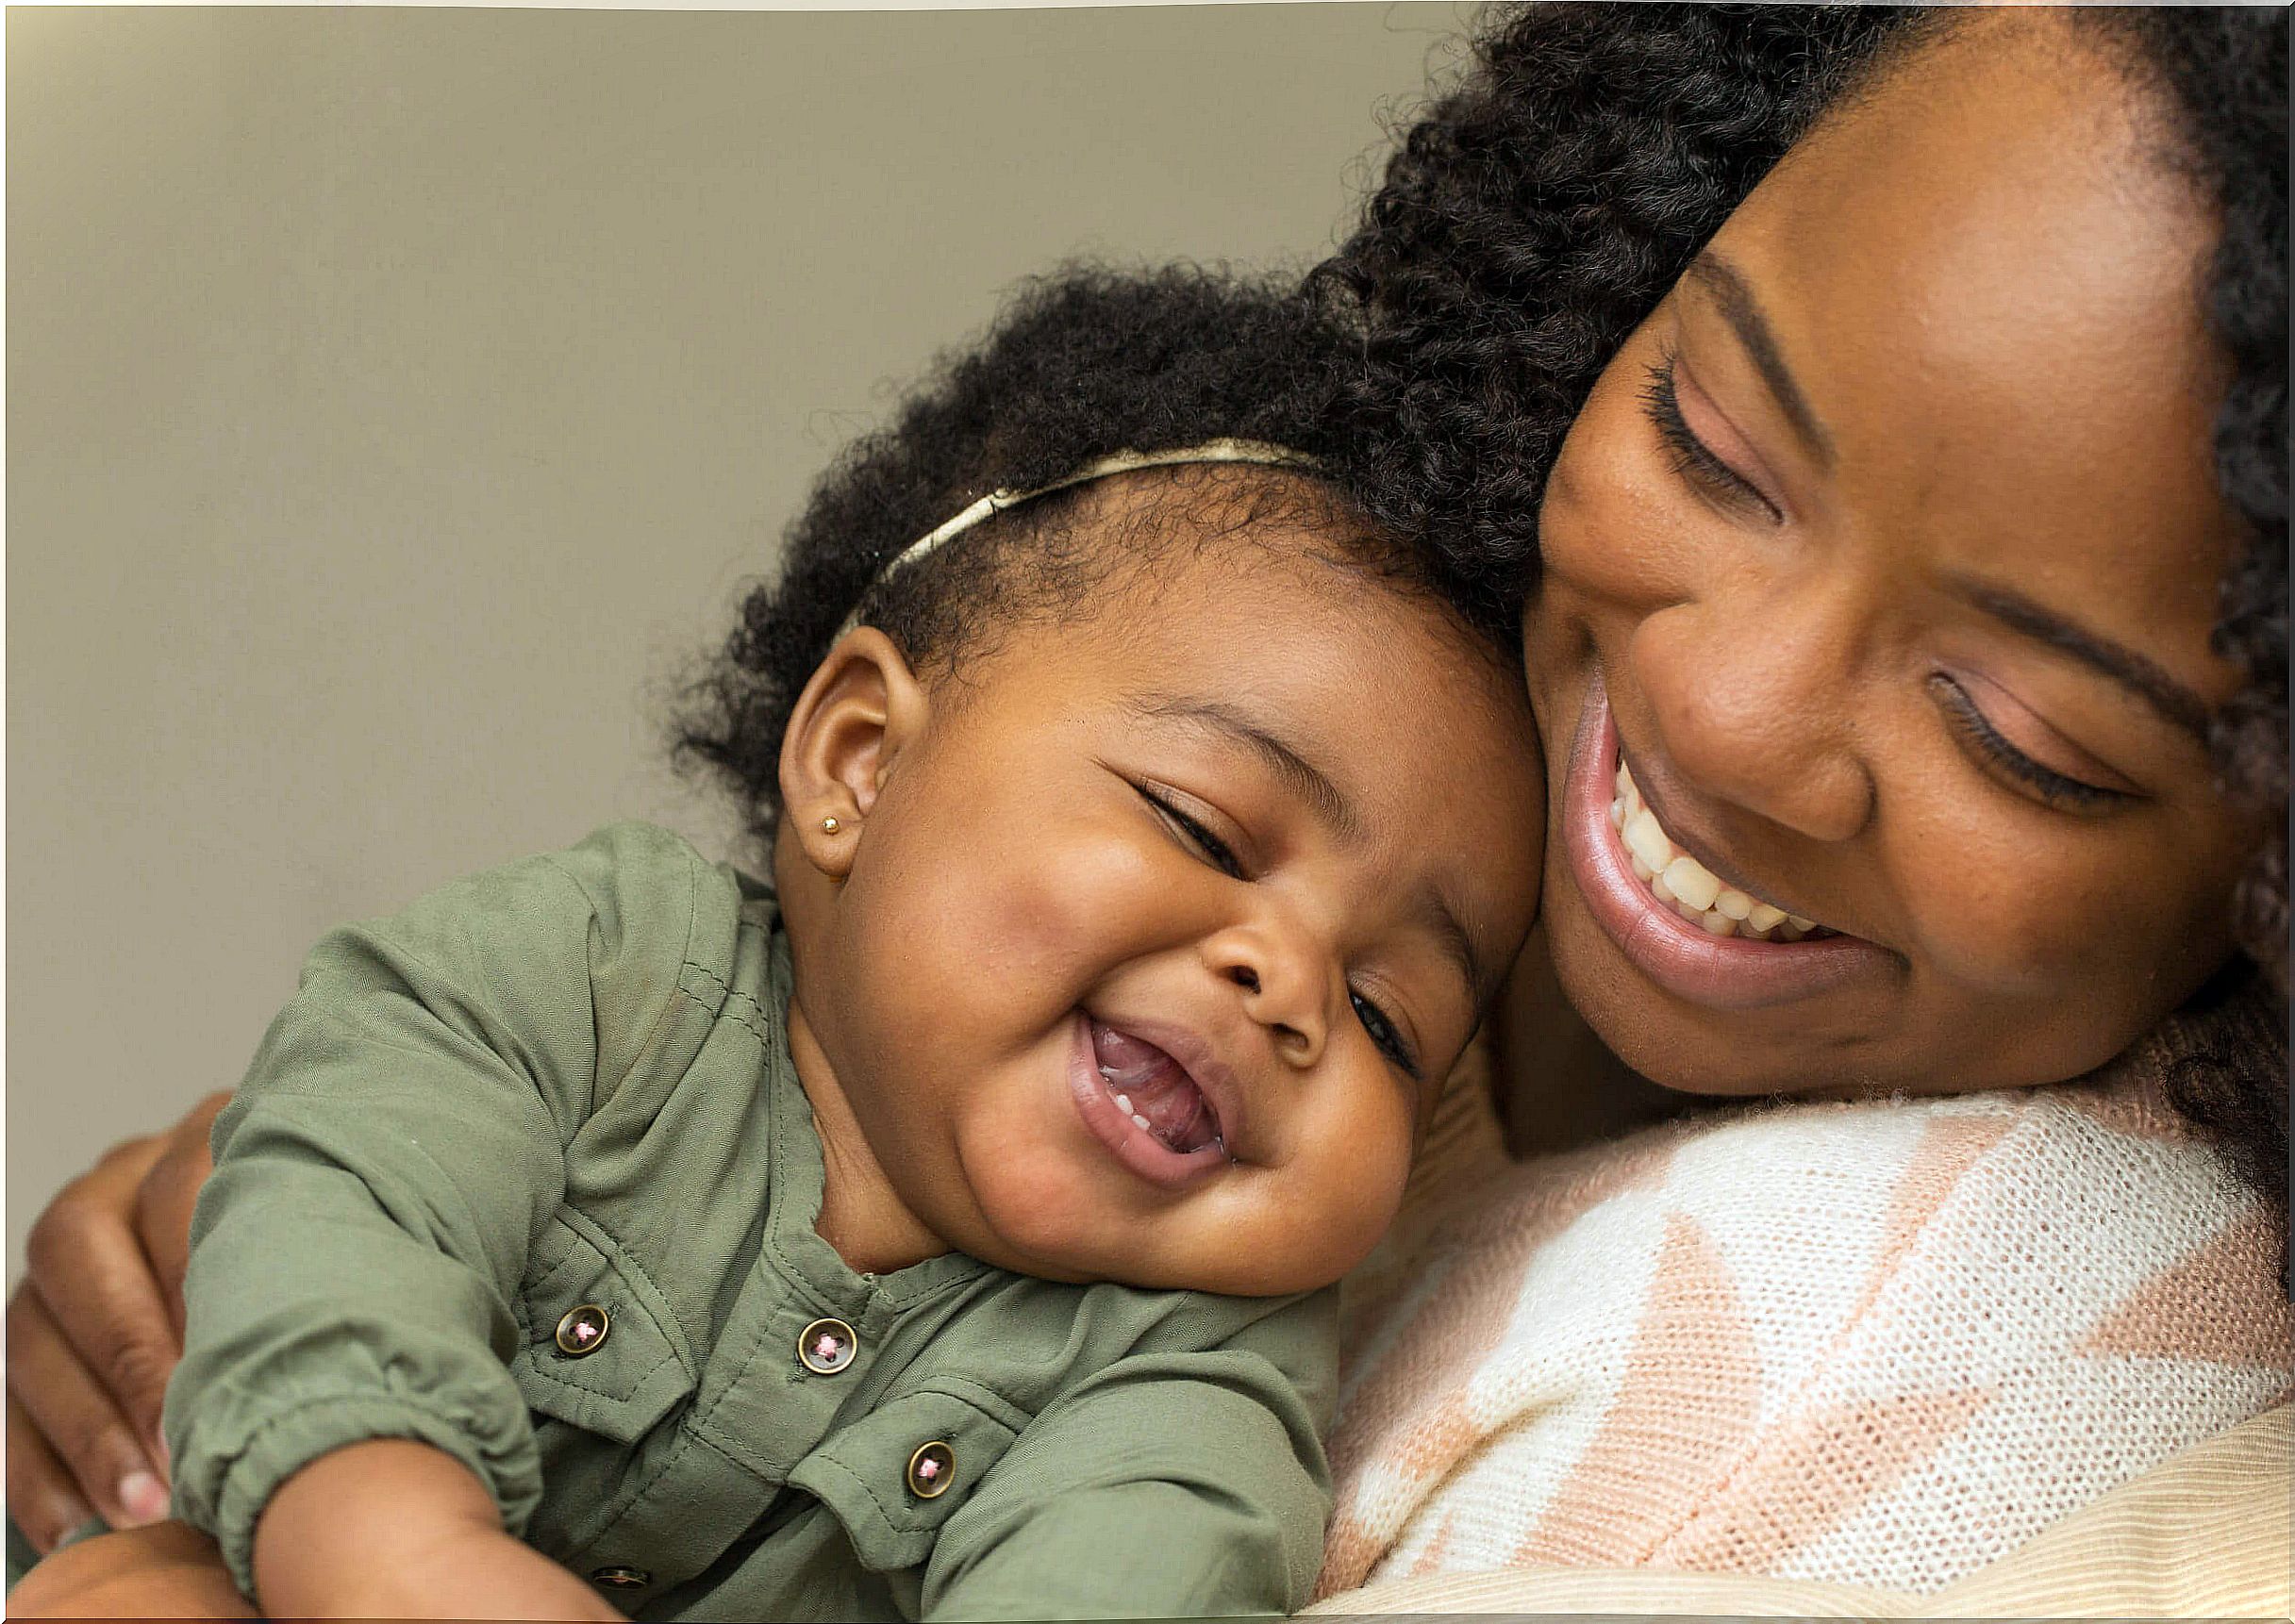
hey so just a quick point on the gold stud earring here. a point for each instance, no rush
(830, 825)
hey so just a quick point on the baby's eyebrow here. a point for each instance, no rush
(1309, 782)
(1458, 947)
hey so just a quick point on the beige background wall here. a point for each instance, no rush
(396, 397)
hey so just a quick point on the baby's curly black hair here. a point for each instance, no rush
(1080, 365)
(1536, 213)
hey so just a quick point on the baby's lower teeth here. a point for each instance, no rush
(1137, 1118)
(1686, 885)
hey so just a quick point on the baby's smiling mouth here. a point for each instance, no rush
(1155, 1091)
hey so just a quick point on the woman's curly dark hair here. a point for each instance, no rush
(1080, 366)
(1534, 215)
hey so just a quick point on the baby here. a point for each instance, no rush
(943, 1228)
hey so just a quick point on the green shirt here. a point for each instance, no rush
(565, 1084)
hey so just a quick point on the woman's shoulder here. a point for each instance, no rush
(1877, 1343)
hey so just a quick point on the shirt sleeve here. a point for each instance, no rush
(1168, 1486)
(381, 1176)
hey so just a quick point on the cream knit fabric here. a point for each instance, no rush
(1878, 1345)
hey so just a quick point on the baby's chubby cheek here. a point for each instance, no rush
(1036, 1198)
(1052, 923)
(994, 904)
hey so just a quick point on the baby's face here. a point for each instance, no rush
(1160, 935)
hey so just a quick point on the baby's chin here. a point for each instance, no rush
(1170, 1252)
(1071, 1212)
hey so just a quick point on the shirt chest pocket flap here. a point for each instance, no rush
(602, 1349)
(893, 1476)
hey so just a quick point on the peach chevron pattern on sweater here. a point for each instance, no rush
(1875, 1344)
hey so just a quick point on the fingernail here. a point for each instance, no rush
(143, 1497)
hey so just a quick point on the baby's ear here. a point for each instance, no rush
(860, 709)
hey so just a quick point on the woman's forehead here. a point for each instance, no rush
(2003, 185)
(1987, 286)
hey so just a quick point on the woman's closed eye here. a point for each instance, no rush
(1977, 733)
(1692, 458)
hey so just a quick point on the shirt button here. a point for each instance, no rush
(583, 1331)
(826, 1347)
(620, 1577)
(931, 1469)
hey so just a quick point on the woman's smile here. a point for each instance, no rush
(1912, 793)
(1695, 935)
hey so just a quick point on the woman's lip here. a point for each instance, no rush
(1134, 1146)
(1721, 972)
(1654, 795)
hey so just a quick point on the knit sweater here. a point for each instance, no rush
(1878, 1344)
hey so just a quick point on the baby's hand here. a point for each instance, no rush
(165, 1570)
(389, 1529)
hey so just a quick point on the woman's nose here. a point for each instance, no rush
(1757, 707)
(1280, 985)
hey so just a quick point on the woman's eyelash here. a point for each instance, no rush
(1215, 850)
(2051, 786)
(1690, 455)
(1384, 1035)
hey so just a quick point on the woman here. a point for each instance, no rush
(1902, 364)
(1884, 572)
(1918, 547)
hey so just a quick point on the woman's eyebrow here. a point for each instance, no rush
(2138, 675)
(1734, 297)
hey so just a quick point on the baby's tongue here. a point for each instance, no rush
(1148, 1083)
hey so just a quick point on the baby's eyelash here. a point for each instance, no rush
(1384, 1034)
(1215, 850)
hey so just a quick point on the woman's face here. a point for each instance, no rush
(1883, 558)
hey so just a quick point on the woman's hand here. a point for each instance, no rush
(93, 1331)
(164, 1571)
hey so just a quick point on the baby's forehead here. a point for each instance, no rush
(1292, 542)
(1359, 711)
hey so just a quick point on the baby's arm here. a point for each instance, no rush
(353, 1535)
(1172, 1486)
(369, 1531)
(358, 1254)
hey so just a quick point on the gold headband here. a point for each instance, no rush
(995, 502)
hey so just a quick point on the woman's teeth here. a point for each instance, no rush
(1686, 885)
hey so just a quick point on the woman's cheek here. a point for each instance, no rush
(2029, 914)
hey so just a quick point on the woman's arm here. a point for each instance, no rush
(168, 1570)
(95, 1331)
